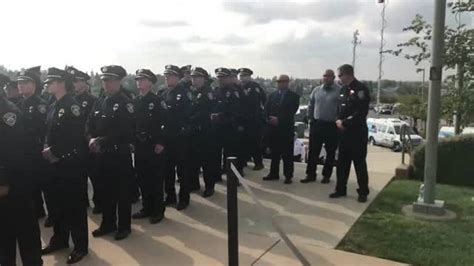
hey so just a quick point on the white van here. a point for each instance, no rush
(386, 132)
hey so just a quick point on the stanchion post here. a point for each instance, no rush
(232, 213)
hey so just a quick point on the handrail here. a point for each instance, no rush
(407, 144)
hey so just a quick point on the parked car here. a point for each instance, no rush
(446, 132)
(386, 132)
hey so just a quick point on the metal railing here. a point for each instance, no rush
(234, 179)
(406, 142)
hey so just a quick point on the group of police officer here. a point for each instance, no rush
(52, 145)
(49, 147)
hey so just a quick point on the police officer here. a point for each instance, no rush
(110, 131)
(204, 150)
(176, 99)
(34, 110)
(4, 80)
(280, 110)
(352, 124)
(228, 117)
(10, 89)
(186, 76)
(149, 147)
(64, 149)
(86, 101)
(255, 98)
(19, 223)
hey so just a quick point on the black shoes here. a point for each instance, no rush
(76, 256)
(258, 167)
(182, 205)
(52, 248)
(308, 179)
(270, 178)
(337, 194)
(122, 234)
(207, 193)
(156, 218)
(102, 231)
(169, 201)
(288, 181)
(49, 222)
(362, 198)
(325, 180)
(140, 215)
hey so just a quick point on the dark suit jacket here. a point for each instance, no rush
(285, 109)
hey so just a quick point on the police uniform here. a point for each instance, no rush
(229, 119)
(66, 146)
(111, 124)
(283, 104)
(86, 101)
(254, 100)
(204, 149)
(185, 81)
(19, 223)
(149, 166)
(177, 102)
(354, 107)
(34, 110)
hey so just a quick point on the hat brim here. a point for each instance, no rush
(170, 72)
(109, 77)
(24, 79)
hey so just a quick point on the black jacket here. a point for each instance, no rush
(254, 101)
(177, 103)
(34, 110)
(86, 101)
(150, 117)
(354, 107)
(285, 109)
(203, 102)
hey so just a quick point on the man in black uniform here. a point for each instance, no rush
(177, 101)
(255, 98)
(86, 101)
(186, 76)
(280, 110)
(352, 123)
(149, 147)
(19, 222)
(10, 88)
(110, 129)
(64, 149)
(204, 148)
(228, 117)
(34, 110)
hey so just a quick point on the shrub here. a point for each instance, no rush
(455, 161)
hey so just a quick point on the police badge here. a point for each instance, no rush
(42, 108)
(9, 119)
(151, 106)
(75, 109)
(178, 97)
(199, 95)
(227, 94)
(130, 108)
(30, 109)
(84, 104)
(116, 107)
(61, 112)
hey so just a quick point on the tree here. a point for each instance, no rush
(458, 54)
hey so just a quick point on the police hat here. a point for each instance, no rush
(199, 72)
(172, 70)
(245, 71)
(146, 73)
(4, 80)
(222, 72)
(112, 72)
(57, 74)
(186, 69)
(30, 74)
(233, 72)
(77, 74)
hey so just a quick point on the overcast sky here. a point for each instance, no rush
(301, 38)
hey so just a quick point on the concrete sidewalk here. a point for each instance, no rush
(198, 235)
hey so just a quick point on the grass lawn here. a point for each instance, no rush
(383, 231)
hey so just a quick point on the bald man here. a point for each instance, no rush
(280, 110)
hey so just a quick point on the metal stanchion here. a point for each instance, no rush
(232, 213)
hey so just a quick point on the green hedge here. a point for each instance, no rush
(455, 161)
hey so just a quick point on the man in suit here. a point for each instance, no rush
(280, 110)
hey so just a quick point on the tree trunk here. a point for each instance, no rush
(459, 85)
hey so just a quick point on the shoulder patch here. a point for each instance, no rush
(75, 110)
(42, 108)
(9, 119)
(130, 108)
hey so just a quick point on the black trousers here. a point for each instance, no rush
(115, 178)
(205, 154)
(150, 173)
(353, 148)
(281, 146)
(254, 142)
(19, 224)
(322, 132)
(40, 174)
(92, 167)
(177, 154)
(68, 189)
(231, 143)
